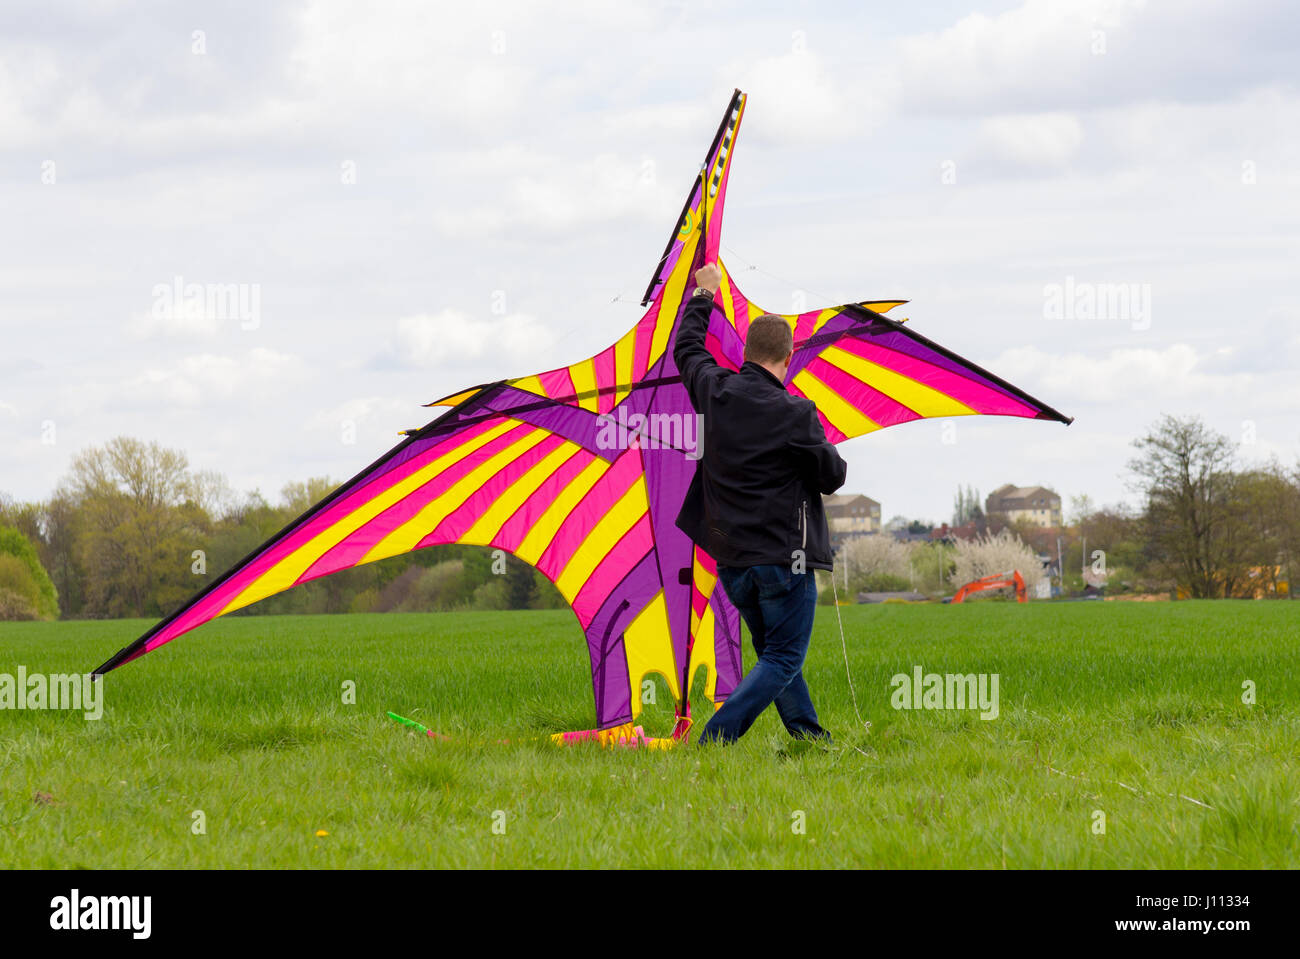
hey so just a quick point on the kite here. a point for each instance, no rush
(580, 472)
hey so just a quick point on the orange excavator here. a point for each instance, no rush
(996, 581)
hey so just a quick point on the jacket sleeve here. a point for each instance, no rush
(820, 463)
(694, 361)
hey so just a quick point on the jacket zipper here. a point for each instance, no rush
(803, 524)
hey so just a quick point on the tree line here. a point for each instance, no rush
(1205, 525)
(132, 531)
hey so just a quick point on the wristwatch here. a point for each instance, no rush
(703, 291)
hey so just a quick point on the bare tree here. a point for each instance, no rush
(1185, 475)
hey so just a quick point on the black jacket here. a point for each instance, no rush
(755, 498)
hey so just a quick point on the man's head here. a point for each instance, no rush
(770, 344)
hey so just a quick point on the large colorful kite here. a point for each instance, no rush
(581, 471)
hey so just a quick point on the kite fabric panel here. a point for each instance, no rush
(581, 471)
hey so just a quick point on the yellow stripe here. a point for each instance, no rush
(823, 317)
(286, 572)
(705, 653)
(584, 381)
(846, 418)
(620, 518)
(531, 384)
(647, 643)
(925, 400)
(489, 524)
(676, 285)
(883, 306)
(454, 400)
(724, 294)
(543, 531)
(405, 537)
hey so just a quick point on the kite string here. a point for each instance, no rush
(844, 646)
(790, 283)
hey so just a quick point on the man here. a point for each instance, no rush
(754, 505)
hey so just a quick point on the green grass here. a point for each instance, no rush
(244, 720)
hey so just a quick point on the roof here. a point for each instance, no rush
(1012, 496)
(845, 499)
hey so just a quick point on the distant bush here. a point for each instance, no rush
(19, 593)
(364, 601)
(491, 595)
(29, 593)
(876, 555)
(886, 583)
(422, 589)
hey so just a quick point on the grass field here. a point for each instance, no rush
(1127, 710)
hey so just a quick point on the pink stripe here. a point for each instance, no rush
(557, 382)
(699, 602)
(451, 529)
(627, 552)
(604, 365)
(518, 526)
(804, 323)
(966, 391)
(617, 480)
(645, 334)
(877, 406)
(354, 547)
(714, 346)
(739, 309)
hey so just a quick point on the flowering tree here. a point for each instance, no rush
(989, 555)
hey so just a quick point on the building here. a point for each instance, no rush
(1036, 504)
(851, 514)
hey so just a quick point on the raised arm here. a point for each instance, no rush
(694, 361)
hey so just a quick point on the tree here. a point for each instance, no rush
(990, 555)
(137, 526)
(26, 591)
(1255, 549)
(966, 506)
(1185, 475)
(878, 561)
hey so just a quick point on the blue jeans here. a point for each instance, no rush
(777, 605)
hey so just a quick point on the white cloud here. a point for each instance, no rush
(451, 338)
(1033, 140)
(795, 98)
(1123, 376)
(1031, 53)
(206, 377)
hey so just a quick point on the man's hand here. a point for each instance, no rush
(709, 277)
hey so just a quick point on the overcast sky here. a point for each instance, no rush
(418, 197)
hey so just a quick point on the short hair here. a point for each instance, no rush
(769, 340)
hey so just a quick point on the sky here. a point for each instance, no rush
(385, 203)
